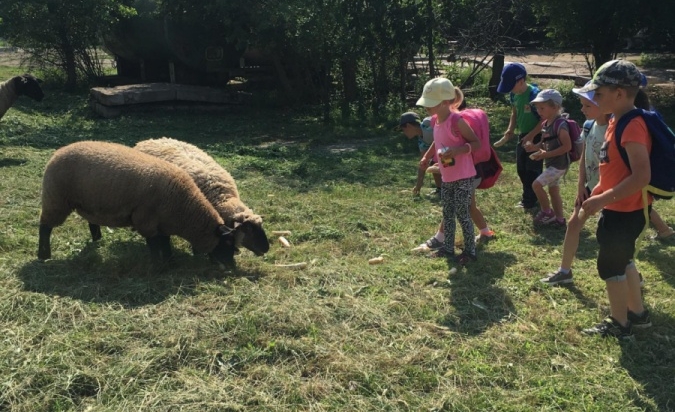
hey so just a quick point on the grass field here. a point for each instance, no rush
(99, 328)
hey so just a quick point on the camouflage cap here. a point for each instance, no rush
(620, 73)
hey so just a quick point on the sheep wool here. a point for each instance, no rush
(113, 185)
(217, 185)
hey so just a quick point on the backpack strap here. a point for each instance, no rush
(588, 125)
(534, 91)
(620, 127)
(454, 124)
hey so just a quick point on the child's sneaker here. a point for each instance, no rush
(544, 217)
(559, 222)
(558, 278)
(483, 238)
(464, 258)
(611, 328)
(640, 321)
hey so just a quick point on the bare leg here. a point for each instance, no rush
(617, 293)
(542, 196)
(661, 227)
(556, 200)
(476, 215)
(571, 242)
(635, 304)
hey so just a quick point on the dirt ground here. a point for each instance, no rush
(538, 62)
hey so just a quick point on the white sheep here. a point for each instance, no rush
(113, 185)
(11, 89)
(217, 185)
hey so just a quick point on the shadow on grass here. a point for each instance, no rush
(8, 162)
(651, 362)
(478, 302)
(128, 277)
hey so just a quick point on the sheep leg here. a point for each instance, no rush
(95, 231)
(160, 247)
(44, 245)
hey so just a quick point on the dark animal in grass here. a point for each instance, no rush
(113, 185)
(24, 85)
(217, 185)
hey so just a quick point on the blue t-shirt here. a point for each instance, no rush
(427, 138)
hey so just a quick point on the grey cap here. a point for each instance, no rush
(409, 117)
(549, 94)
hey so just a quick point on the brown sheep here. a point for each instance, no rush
(113, 185)
(217, 185)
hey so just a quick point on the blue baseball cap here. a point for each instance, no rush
(511, 73)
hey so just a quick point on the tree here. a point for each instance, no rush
(63, 34)
(597, 28)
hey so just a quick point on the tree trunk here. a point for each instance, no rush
(497, 67)
(349, 86)
(430, 38)
(68, 61)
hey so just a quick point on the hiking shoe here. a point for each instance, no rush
(463, 258)
(544, 218)
(640, 321)
(558, 278)
(485, 238)
(611, 328)
(433, 244)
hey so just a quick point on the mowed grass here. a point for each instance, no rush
(99, 328)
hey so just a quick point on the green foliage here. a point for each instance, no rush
(61, 33)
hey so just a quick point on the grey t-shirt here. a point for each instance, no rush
(550, 142)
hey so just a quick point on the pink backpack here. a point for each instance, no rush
(478, 121)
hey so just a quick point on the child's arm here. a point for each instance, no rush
(565, 146)
(421, 170)
(638, 157)
(472, 142)
(529, 137)
(581, 182)
(509, 131)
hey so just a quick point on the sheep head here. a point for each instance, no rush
(29, 85)
(224, 251)
(249, 233)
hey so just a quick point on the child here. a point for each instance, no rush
(618, 196)
(554, 147)
(526, 118)
(441, 99)
(412, 127)
(588, 179)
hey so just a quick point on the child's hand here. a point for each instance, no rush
(592, 205)
(538, 155)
